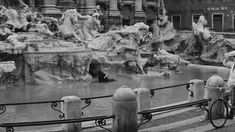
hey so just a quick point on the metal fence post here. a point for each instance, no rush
(124, 110)
(143, 100)
(198, 89)
(72, 110)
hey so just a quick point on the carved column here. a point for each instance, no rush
(31, 2)
(90, 6)
(139, 13)
(114, 13)
(32, 5)
(50, 9)
(113, 5)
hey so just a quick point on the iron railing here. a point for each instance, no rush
(88, 100)
(100, 121)
(54, 104)
(152, 91)
(148, 114)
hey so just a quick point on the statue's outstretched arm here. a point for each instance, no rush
(23, 4)
(82, 17)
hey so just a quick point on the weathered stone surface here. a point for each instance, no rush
(43, 77)
(7, 66)
(67, 66)
(6, 74)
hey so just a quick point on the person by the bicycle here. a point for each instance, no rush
(229, 61)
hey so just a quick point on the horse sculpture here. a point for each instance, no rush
(70, 24)
(83, 28)
(17, 18)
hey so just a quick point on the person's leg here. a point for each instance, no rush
(101, 76)
(231, 114)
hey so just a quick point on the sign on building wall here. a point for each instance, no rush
(217, 8)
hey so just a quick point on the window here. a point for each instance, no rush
(176, 20)
(233, 21)
(197, 1)
(217, 21)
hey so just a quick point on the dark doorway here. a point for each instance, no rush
(233, 21)
(127, 12)
(176, 22)
(149, 22)
(26, 2)
(126, 22)
(217, 22)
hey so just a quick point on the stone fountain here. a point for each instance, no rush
(48, 50)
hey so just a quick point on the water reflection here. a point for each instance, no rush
(26, 93)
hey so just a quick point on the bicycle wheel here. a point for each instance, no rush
(218, 114)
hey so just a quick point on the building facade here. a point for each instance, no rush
(220, 14)
(115, 12)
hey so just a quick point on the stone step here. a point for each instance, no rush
(172, 126)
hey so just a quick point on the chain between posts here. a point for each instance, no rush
(147, 114)
(9, 129)
(152, 91)
(54, 104)
(100, 123)
(191, 92)
(2, 109)
(88, 100)
(204, 105)
(147, 118)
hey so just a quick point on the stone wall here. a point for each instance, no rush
(57, 66)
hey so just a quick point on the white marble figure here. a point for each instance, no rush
(13, 18)
(199, 28)
(37, 25)
(76, 25)
(91, 26)
(24, 11)
(17, 18)
(162, 28)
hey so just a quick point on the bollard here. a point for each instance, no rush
(124, 110)
(72, 110)
(213, 91)
(143, 100)
(198, 89)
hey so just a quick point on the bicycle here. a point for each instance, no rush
(221, 107)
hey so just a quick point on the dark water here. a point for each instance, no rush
(27, 93)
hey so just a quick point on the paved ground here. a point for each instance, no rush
(190, 119)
